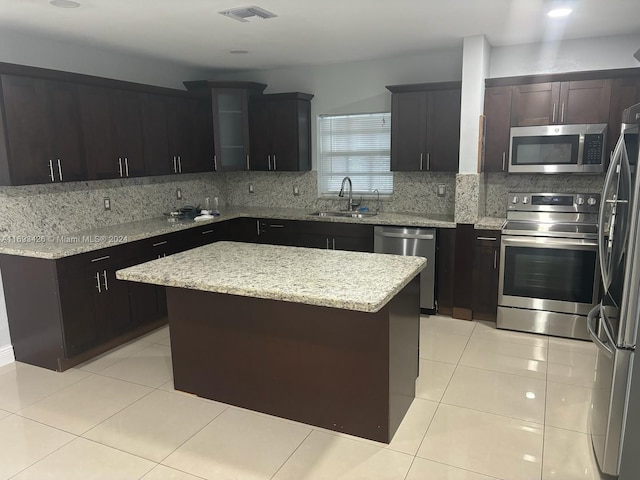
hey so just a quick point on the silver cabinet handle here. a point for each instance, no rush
(421, 162)
(59, 170)
(179, 164)
(106, 283)
(334, 243)
(126, 166)
(562, 113)
(495, 259)
(553, 114)
(428, 161)
(160, 243)
(490, 239)
(258, 227)
(120, 165)
(175, 164)
(275, 167)
(98, 286)
(53, 179)
(327, 244)
(269, 160)
(247, 162)
(99, 259)
(215, 166)
(206, 232)
(504, 161)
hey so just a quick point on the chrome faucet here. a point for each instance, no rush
(351, 203)
(377, 192)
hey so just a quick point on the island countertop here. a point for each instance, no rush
(328, 278)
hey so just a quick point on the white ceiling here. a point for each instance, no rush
(191, 32)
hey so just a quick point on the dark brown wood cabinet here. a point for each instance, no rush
(112, 128)
(425, 127)
(497, 112)
(230, 120)
(280, 132)
(445, 269)
(551, 103)
(625, 92)
(485, 273)
(43, 132)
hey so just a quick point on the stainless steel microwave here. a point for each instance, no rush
(558, 149)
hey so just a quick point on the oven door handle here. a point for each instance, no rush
(592, 317)
(547, 242)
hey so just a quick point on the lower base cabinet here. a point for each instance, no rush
(485, 274)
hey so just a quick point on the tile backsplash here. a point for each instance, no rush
(69, 207)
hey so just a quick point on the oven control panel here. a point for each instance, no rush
(554, 202)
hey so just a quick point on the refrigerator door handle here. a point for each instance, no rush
(591, 327)
(611, 175)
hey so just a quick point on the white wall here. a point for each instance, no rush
(601, 53)
(356, 87)
(45, 52)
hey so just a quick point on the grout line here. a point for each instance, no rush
(292, 453)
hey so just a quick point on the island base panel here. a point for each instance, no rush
(343, 370)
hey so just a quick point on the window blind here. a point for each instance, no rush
(357, 146)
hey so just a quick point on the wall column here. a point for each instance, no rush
(470, 195)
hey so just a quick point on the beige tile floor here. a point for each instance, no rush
(490, 404)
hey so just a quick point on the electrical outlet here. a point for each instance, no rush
(296, 190)
(442, 190)
(251, 189)
(107, 203)
(178, 194)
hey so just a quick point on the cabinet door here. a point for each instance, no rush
(231, 128)
(535, 104)
(127, 124)
(80, 325)
(284, 119)
(155, 135)
(113, 303)
(486, 264)
(408, 131)
(243, 230)
(585, 101)
(352, 243)
(182, 130)
(445, 269)
(497, 112)
(148, 303)
(100, 142)
(443, 131)
(261, 138)
(277, 232)
(27, 125)
(205, 149)
(65, 130)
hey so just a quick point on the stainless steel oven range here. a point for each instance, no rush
(549, 271)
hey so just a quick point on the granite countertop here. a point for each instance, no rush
(490, 223)
(59, 246)
(328, 278)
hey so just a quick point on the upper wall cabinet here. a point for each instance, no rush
(230, 110)
(550, 103)
(425, 127)
(112, 132)
(625, 92)
(497, 112)
(280, 132)
(177, 135)
(42, 143)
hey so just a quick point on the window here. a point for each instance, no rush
(357, 146)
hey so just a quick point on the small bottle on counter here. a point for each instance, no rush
(216, 211)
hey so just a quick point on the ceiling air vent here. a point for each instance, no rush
(241, 14)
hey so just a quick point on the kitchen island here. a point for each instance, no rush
(328, 338)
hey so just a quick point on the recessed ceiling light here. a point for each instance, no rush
(238, 52)
(559, 12)
(64, 3)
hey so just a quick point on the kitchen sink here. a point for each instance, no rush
(344, 214)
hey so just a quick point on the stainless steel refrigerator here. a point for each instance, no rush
(613, 324)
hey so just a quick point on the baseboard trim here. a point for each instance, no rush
(6, 355)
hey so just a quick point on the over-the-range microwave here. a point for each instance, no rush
(558, 149)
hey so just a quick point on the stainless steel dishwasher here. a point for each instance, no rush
(412, 241)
